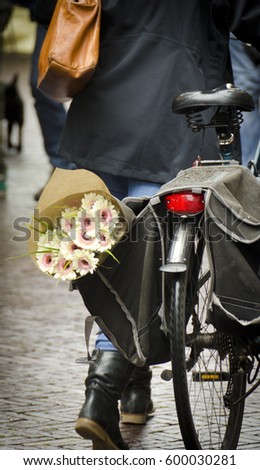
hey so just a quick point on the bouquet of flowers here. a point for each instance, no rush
(74, 232)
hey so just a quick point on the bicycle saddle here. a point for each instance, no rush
(227, 95)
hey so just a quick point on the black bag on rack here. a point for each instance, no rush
(126, 298)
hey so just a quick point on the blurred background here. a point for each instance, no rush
(17, 43)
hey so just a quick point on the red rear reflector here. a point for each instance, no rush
(185, 202)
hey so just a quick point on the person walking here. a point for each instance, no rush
(121, 127)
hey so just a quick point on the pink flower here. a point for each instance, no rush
(89, 200)
(84, 262)
(106, 216)
(46, 261)
(67, 248)
(67, 225)
(106, 212)
(86, 240)
(64, 270)
(87, 223)
(105, 242)
(67, 220)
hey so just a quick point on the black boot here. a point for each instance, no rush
(99, 417)
(136, 403)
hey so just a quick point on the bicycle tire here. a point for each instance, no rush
(205, 422)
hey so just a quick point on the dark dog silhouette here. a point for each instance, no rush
(13, 112)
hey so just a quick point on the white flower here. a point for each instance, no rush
(47, 261)
(105, 242)
(86, 220)
(100, 208)
(86, 240)
(67, 219)
(64, 270)
(89, 199)
(67, 248)
(84, 262)
(106, 213)
(47, 251)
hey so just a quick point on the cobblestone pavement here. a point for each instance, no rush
(42, 330)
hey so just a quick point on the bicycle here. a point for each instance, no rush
(167, 248)
(211, 365)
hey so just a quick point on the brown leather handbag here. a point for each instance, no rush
(70, 50)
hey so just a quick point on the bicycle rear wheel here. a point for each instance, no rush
(202, 361)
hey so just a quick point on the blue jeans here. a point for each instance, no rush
(122, 187)
(51, 114)
(247, 78)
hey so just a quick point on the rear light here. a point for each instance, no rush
(185, 202)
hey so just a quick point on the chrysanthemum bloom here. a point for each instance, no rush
(86, 239)
(47, 261)
(106, 213)
(84, 262)
(86, 220)
(89, 199)
(64, 270)
(105, 242)
(47, 251)
(67, 220)
(67, 248)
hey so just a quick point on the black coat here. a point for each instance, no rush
(152, 50)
